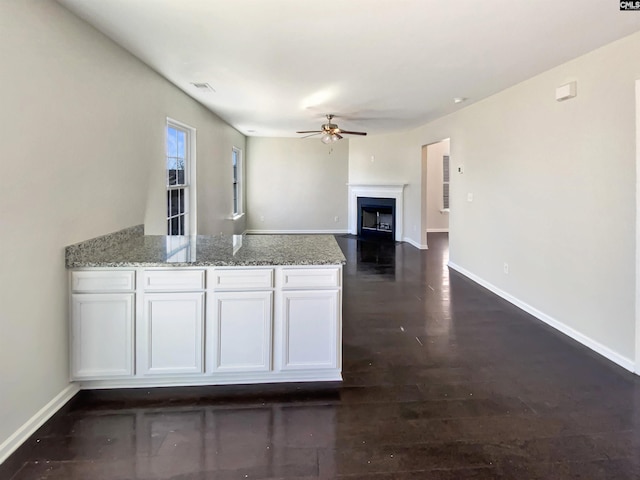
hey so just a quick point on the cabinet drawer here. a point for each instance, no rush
(311, 277)
(238, 279)
(173, 280)
(95, 281)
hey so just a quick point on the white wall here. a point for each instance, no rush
(296, 184)
(553, 187)
(215, 141)
(388, 159)
(82, 130)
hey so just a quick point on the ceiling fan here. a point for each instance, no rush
(330, 132)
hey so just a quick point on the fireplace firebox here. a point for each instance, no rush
(376, 217)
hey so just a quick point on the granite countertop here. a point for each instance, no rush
(131, 248)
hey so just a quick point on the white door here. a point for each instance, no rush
(170, 334)
(241, 334)
(101, 335)
(310, 329)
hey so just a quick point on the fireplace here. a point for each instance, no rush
(390, 195)
(376, 217)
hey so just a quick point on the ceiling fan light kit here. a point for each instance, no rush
(330, 132)
(329, 138)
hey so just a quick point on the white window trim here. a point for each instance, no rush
(190, 173)
(240, 182)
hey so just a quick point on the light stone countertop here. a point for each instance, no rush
(130, 248)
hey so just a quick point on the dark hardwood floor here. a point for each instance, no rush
(442, 380)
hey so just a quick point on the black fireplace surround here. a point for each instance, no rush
(377, 217)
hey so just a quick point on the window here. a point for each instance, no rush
(179, 166)
(236, 161)
(445, 182)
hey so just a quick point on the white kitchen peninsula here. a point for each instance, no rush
(165, 311)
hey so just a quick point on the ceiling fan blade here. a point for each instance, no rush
(340, 137)
(352, 133)
(311, 131)
(312, 135)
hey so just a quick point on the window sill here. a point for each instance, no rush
(237, 216)
(444, 210)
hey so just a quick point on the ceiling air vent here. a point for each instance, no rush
(203, 87)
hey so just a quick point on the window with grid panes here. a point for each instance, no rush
(177, 167)
(236, 160)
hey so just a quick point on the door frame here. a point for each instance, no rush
(637, 305)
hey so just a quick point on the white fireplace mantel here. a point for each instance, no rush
(388, 190)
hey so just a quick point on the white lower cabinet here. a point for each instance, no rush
(310, 332)
(171, 334)
(241, 334)
(201, 326)
(101, 335)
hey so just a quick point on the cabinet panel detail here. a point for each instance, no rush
(242, 331)
(170, 280)
(109, 281)
(310, 277)
(171, 335)
(205, 325)
(238, 279)
(310, 329)
(101, 335)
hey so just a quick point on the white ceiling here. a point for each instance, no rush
(278, 66)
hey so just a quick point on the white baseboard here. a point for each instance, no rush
(227, 378)
(437, 230)
(414, 243)
(594, 345)
(11, 444)
(295, 232)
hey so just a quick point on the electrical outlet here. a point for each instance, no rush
(506, 268)
(262, 218)
(469, 197)
(336, 219)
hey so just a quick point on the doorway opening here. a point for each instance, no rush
(435, 190)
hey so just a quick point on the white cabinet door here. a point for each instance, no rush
(310, 337)
(101, 335)
(170, 334)
(241, 334)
